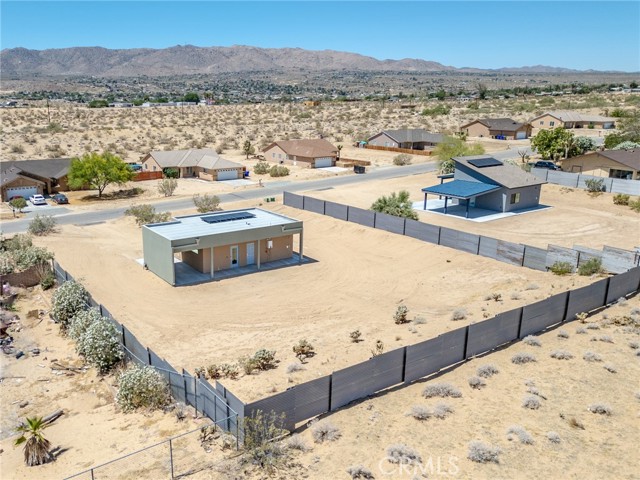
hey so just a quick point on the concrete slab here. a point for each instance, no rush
(334, 169)
(478, 215)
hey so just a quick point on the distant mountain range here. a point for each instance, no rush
(188, 59)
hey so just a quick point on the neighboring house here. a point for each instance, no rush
(410, 138)
(202, 163)
(569, 119)
(501, 128)
(314, 153)
(29, 177)
(481, 181)
(216, 241)
(607, 163)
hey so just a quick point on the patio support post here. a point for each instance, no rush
(301, 246)
(466, 215)
(212, 265)
(259, 254)
(445, 204)
(425, 201)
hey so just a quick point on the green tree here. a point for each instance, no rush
(99, 170)
(248, 149)
(17, 204)
(398, 205)
(36, 446)
(191, 97)
(451, 147)
(552, 144)
(584, 144)
(206, 203)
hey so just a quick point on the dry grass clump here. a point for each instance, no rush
(606, 339)
(634, 345)
(522, 358)
(402, 454)
(531, 402)
(476, 382)
(532, 341)
(610, 368)
(561, 355)
(441, 390)
(592, 326)
(600, 409)
(488, 370)
(563, 334)
(325, 431)
(482, 453)
(591, 357)
(420, 413)
(296, 442)
(294, 367)
(359, 471)
(459, 314)
(553, 437)
(442, 411)
(581, 331)
(524, 436)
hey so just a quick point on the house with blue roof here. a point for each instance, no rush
(484, 182)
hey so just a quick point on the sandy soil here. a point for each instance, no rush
(321, 301)
(575, 217)
(92, 430)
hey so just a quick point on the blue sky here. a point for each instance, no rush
(600, 35)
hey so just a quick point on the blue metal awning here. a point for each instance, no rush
(461, 189)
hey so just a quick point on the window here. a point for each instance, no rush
(624, 174)
(273, 155)
(515, 198)
(541, 122)
(154, 168)
(146, 167)
(552, 123)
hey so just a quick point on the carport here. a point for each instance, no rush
(460, 190)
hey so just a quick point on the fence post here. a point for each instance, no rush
(404, 362)
(171, 457)
(149, 356)
(124, 337)
(237, 433)
(92, 476)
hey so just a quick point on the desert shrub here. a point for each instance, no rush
(325, 431)
(378, 349)
(18, 204)
(531, 402)
(397, 204)
(561, 268)
(482, 453)
(533, 390)
(522, 358)
(146, 214)
(420, 413)
(359, 471)
(476, 382)
(264, 359)
(634, 345)
(442, 410)
(592, 266)
(42, 225)
(581, 331)
(563, 334)
(296, 442)
(524, 436)
(441, 390)
(592, 326)
(355, 336)
(600, 409)
(610, 368)
(532, 286)
(247, 364)
(488, 370)
(594, 185)
(278, 171)
(261, 168)
(48, 280)
(402, 454)
(592, 357)
(441, 109)
(294, 367)
(100, 345)
(142, 387)
(531, 341)
(635, 205)
(259, 431)
(419, 320)
(561, 355)
(402, 159)
(69, 299)
(206, 203)
(401, 315)
(553, 437)
(81, 321)
(303, 350)
(459, 314)
(621, 199)
(606, 339)
(167, 186)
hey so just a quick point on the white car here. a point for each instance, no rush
(37, 200)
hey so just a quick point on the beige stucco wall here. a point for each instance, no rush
(546, 119)
(383, 140)
(148, 164)
(477, 129)
(595, 165)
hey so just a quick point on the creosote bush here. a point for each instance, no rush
(441, 390)
(403, 454)
(482, 453)
(531, 402)
(325, 431)
(561, 268)
(621, 199)
(206, 203)
(261, 168)
(146, 214)
(42, 225)
(142, 387)
(402, 159)
(303, 350)
(167, 186)
(100, 345)
(278, 171)
(68, 300)
(259, 431)
(593, 266)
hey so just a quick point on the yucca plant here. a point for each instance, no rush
(36, 447)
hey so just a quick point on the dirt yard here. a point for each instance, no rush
(356, 280)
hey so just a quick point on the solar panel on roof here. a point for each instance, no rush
(227, 217)
(485, 162)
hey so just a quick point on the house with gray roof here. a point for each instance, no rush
(202, 163)
(500, 128)
(313, 152)
(23, 178)
(624, 164)
(409, 138)
(484, 182)
(570, 119)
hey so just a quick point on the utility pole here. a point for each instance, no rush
(48, 111)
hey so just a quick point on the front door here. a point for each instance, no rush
(251, 253)
(234, 257)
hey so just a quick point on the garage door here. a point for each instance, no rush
(25, 192)
(227, 174)
(521, 135)
(323, 162)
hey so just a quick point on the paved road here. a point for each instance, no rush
(64, 217)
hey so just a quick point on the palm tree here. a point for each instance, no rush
(36, 447)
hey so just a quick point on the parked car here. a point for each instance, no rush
(37, 200)
(60, 198)
(546, 164)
